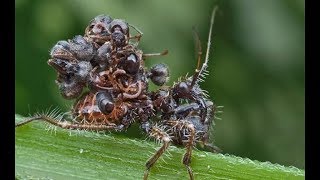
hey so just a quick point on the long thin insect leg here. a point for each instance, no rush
(138, 37)
(158, 134)
(189, 146)
(187, 130)
(67, 124)
(165, 52)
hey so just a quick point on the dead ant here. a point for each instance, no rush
(112, 67)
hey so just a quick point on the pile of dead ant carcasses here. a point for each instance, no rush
(104, 72)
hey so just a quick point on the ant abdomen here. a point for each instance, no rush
(131, 64)
(105, 102)
(159, 74)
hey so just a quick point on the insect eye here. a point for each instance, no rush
(131, 64)
(105, 102)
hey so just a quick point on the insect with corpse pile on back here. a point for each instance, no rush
(105, 61)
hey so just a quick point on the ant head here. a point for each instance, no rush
(61, 66)
(62, 51)
(183, 89)
(72, 50)
(99, 28)
(119, 32)
(79, 70)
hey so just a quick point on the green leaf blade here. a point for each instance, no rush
(42, 154)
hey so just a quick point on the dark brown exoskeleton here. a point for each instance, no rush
(103, 29)
(112, 68)
(114, 73)
(186, 114)
(71, 60)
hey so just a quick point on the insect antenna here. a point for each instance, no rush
(199, 50)
(203, 71)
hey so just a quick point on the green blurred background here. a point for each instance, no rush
(256, 65)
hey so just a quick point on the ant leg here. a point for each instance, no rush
(189, 146)
(188, 130)
(138, 37)
(69, 125)
(158, 134)
(137, 94)
(212, 148)
(165, 52)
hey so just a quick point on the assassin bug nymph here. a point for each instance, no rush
(111, 66)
